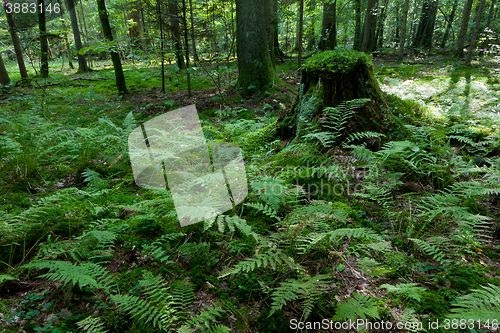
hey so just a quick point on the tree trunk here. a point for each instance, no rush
(329, 31)
(423, 37)
(136, 29)
(176, 31)
(115, 56)
(277, 50)
(191, 16)
(311, 41)
(370, 16)
(326, 81)
(402, 37)
(380, 27)
(475, 33)
(357, 28)
(82, 62)
(86, 35)
(184, 17)
(490, 14)
(301, 31)
(4, 76)
(66, 38)
(16, 42)
(44, 46)
(256, 72)
(463, 29)
(449, 25)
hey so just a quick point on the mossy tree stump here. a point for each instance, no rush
(328, 79)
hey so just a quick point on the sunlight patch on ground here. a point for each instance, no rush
(455, 96)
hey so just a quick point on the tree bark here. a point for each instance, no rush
(4, 76)
(82, 62)
(16, 42)
(115, 56)
(402, 37)
(423, 37)
(326, 82)
(357, 28)
(277, 50)
(463, 29)
(311, 41)
(329, 31)
(256, 72)
(368, 36)
(184, 17)
(66, 38)
(449, 25)
(176, 31)
(490, 14)
(301, 31)
(136, 29)
(44, 45)
(380, 27)
(475, 33)
(191, 16)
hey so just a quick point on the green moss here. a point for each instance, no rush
(337, 61)
(352, 213)
(256, 139)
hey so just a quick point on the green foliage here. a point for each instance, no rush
(482, 304)
(84, 275)
(91, 325)
(157, 309)
(307, 288)
(358, 307)
(411, 290)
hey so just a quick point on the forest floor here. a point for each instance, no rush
(413, 229)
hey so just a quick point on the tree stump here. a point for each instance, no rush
(328, 79)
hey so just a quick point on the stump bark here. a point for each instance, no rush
(330, 78)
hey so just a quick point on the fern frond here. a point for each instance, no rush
(359, 306)
(272, 258)
(307, 288)
(411, 290)
(482, 304)
(156, 309)
(86, 274)
(91, 324)
(431, 250)
(265, 209)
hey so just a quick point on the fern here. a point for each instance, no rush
(204, 320)
(156, 309)
(359, 306)
(91, 325)
(482, 304)
(93, 244)
(85, 275)
(411, 290)
(307, 288)
(182, 293)
(306, 243)
(335, 118)
(273, 258)
(359, 136)
(431, 250)
(271, 190)
(265, 209)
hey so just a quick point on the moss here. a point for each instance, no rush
(256, 139)
(336, 62)
(352, 213)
